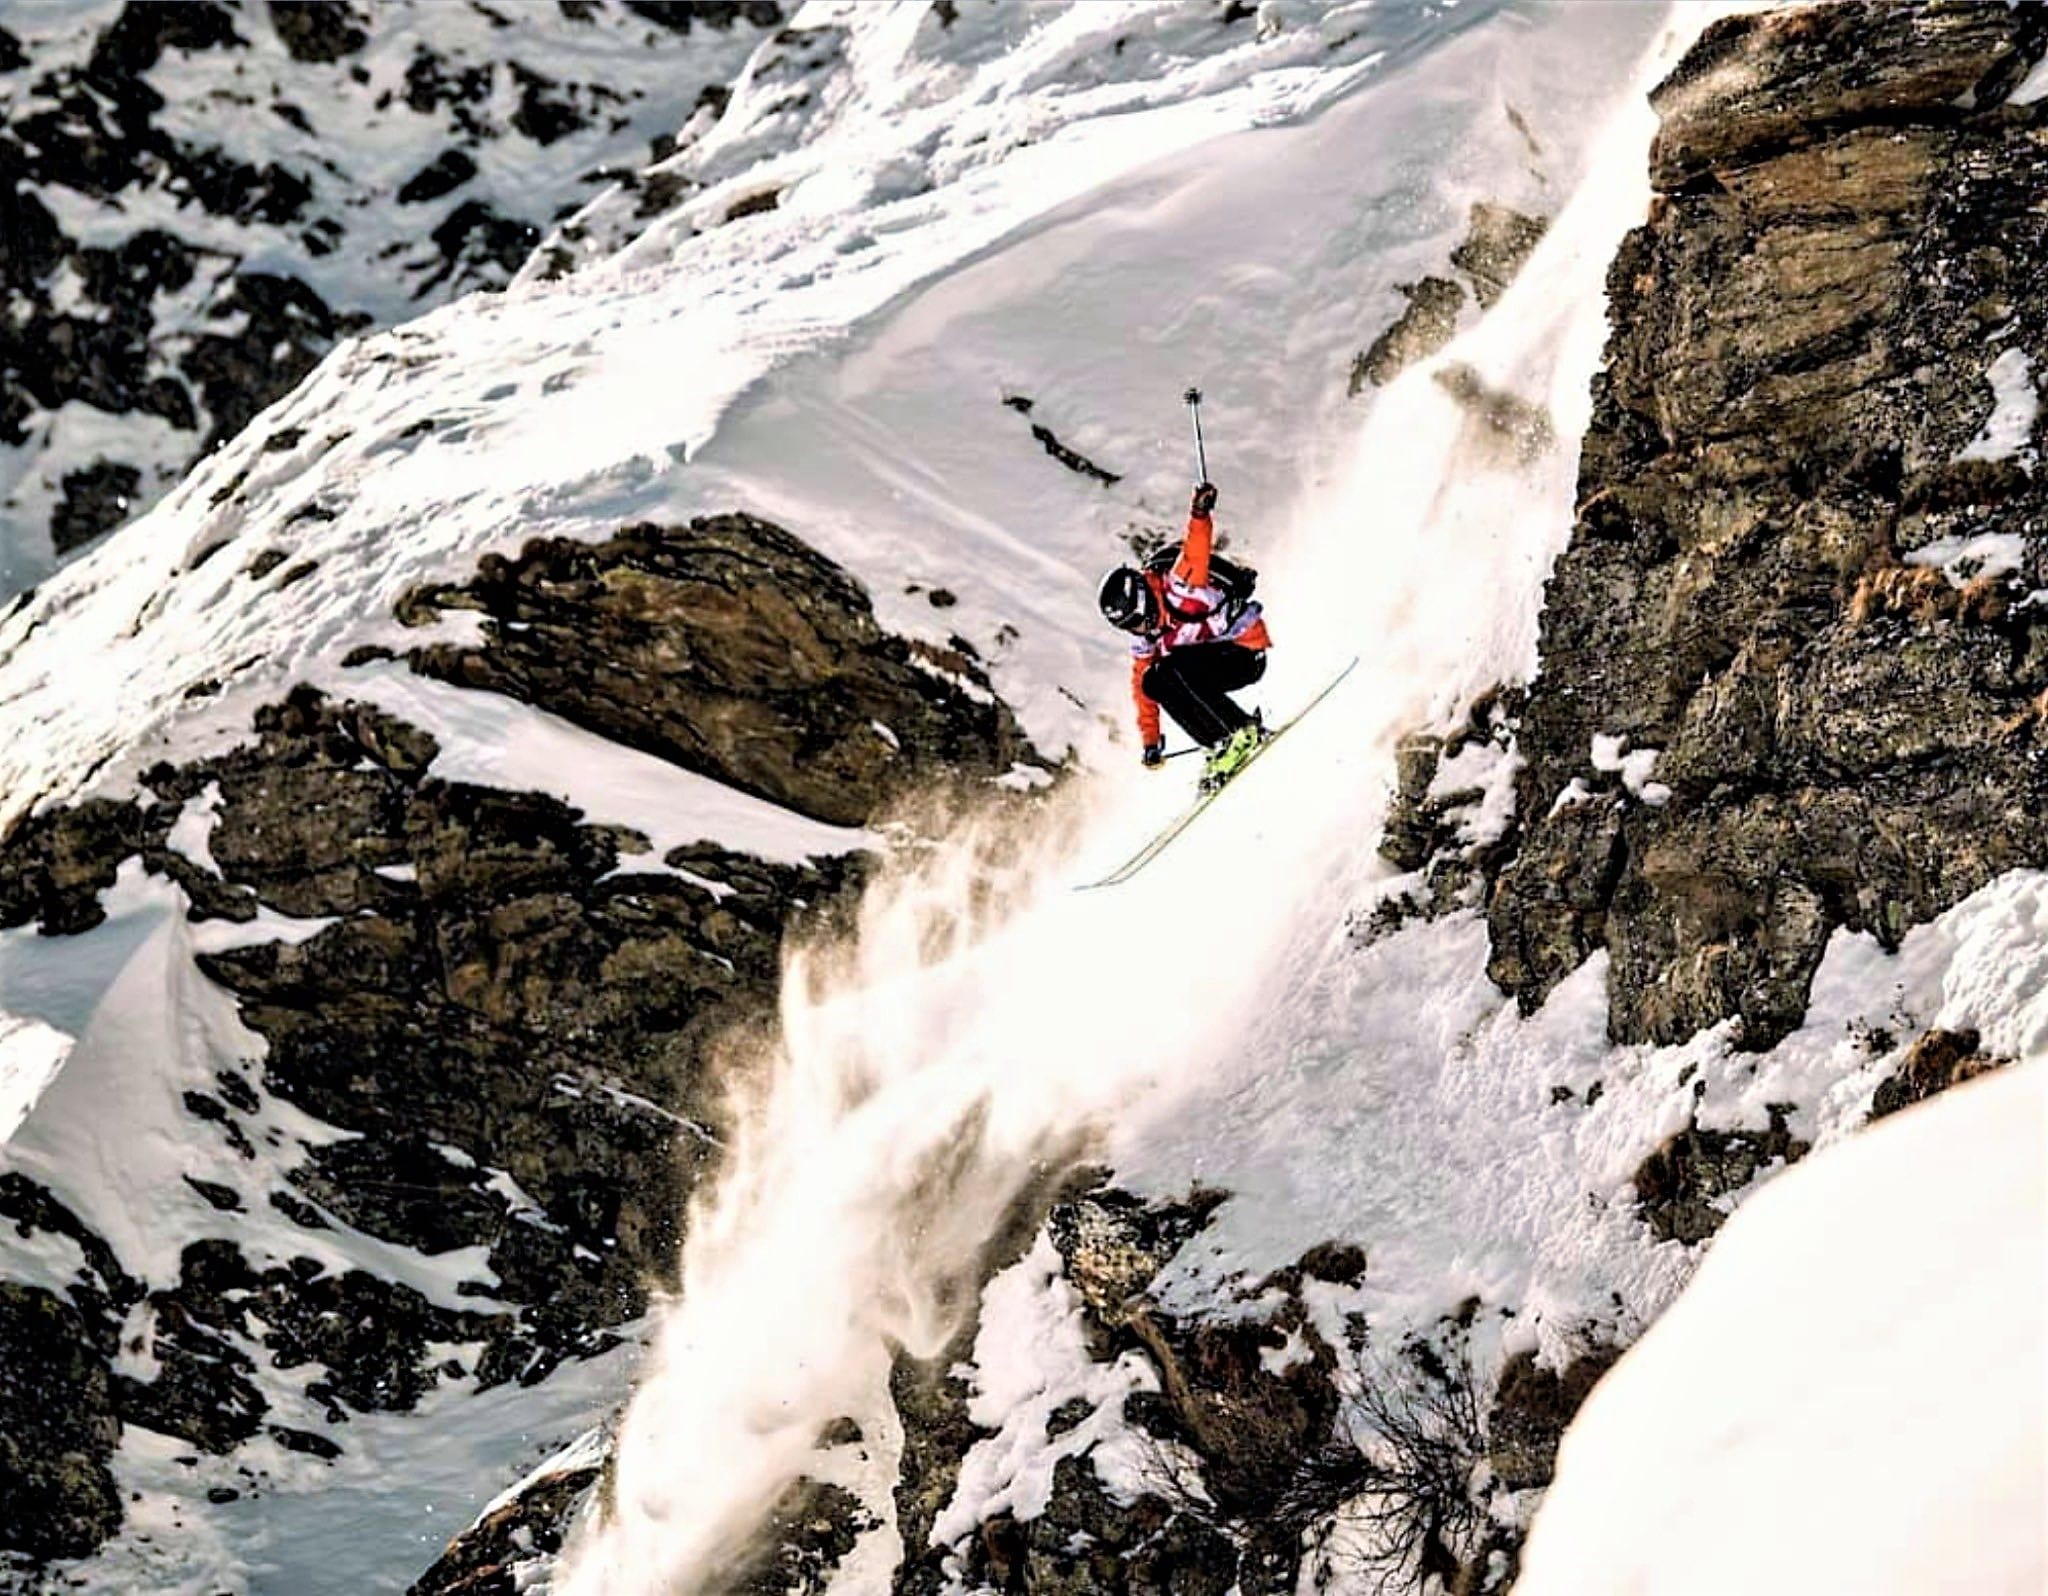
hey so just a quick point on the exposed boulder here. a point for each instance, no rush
(1686, 1189)
(731, 648)
(1422, 328)
(1497, 242)
(1936, 1061)
(1759, 605)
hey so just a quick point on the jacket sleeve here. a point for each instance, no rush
(1192, 567)
(1148, 707)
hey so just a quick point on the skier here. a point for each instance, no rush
(1194, 644)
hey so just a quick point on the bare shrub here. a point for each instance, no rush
(1417, 1424)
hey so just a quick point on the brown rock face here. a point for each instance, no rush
(1936, 1061)
(1803, 333)
(731, 648)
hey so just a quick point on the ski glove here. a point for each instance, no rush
(1155, 755)
(1205, 499)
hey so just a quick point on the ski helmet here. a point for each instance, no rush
(1125, 599)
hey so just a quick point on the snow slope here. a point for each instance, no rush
(572, 406)
(1850, 1396)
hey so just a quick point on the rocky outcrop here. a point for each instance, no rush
(1789, 681)
(1450, 826)
(1273, 1450)
(1497, 241)
(1686, 1189)
(57, 1428)
(1936, 1061)
(734, 650)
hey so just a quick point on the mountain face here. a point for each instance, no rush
(1798, 591)
(203, 199)
(474, 928)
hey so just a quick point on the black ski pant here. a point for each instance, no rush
(1194, 685)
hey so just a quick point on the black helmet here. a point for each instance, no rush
(1125, 599)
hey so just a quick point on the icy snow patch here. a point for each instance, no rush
(192, 835)
(1611, 752)
(2015, 407)
(1489, 770)
(494, 741)
(2032, 87)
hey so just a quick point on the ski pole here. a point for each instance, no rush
(1193, 399)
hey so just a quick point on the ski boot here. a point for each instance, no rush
(1231, 755)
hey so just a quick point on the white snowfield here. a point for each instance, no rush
(1086, 206)
(1851, 1395)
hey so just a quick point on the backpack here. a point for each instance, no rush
(1235, 582)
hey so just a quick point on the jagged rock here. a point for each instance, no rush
(1936, 1061)
(1424, 327)
(1799, 357)
(1682, 1187)
(1497, 241)
(1445, 835)
(1531, 1407)
(806, 1535)
(1114, 1243)
(931, 1399)
(1759, 83)
(1260, 1432)
(729, 647)
(54, 866)
(493, 990)
(104, 1292)
(57, 1429)
(373, 1339)
(533, 1525)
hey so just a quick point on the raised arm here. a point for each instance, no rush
(1192, 567)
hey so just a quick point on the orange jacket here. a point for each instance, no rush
(1191, 613)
